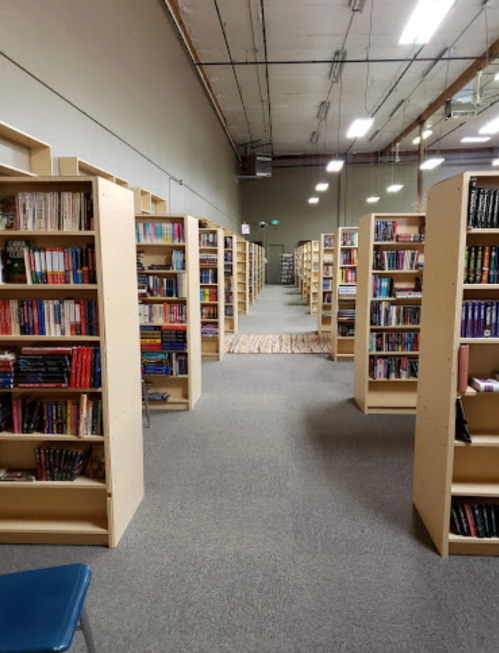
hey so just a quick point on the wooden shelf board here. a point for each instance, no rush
(471, 392)
(12, 171)
(392, 380)
(479, 341)
(397, 271)
(159, 272)
(36, 437)
(394, 353)
(345, 337)
(479, 441)
(139, 245)
(61, 339)
(478, 232)
(394, 243)
(480, 286)
(395, 299)
(49, 390)
(413, 327)
(475, 489)
(18, 233)
(81, 483)
(60, 527)
(162, 299)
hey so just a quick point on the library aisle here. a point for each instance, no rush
(278, 518)
(279, 309)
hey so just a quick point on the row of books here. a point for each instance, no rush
(228, 296)
(387, 231)
(60, 265)
(327, 298)
(346, 313)
(348, 275)
(481, 264)
(347, 291)
(49, 317)
(175, 262)
(386, 287)
(349, 257)
(483, 207)
(79, 416)
(327, 284)
(349, 239)
(152, 286)
(480, 319)
(327, 270)
(328, 242)
(388, 314)
(208, 294)
(346, 330)
(393, 369)
(228, 257)
(59, 211)
(209, 276)
(206, 259)
(160, 363)
(163, 313)
(229, 311)
(7, 363)
(479, 520)
(207, 239)
(56, 462)
(163, 338)
(171, 233)
(58, 367)
(408, 259)
(394, 341)
(209, 312)
(209, 331)
(228, 242)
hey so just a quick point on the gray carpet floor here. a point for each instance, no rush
(279, 519)
(278, 309)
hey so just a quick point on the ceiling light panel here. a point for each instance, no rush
(360, 127)
(431, 164)
(335, 165)
(425, 20)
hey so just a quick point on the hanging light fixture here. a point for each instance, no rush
(322, 186)
(313, 200)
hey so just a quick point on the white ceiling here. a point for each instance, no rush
(313, 30)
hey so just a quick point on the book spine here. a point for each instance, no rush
(463, 367)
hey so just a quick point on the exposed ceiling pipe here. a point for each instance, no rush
(264, 34)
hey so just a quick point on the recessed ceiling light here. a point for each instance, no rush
(373, 199)
(394, 188)
(425, 20)
(313, 200)
(495, 162)
(426, 134)
(475, 139)
(491, 127)
(496, 78)
(430, 164)
(360, 127)
(322, 186)
(335, 165)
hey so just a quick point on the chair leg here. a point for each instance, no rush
(87, 631)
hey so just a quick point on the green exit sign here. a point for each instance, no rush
(274, 222)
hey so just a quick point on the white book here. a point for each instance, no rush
(484, 385)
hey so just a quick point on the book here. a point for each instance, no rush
(15, 268)
(484, 385)
(462, 428)
(463, 367)
(17, 476)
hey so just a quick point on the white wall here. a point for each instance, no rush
(120, 62)
(284, 197)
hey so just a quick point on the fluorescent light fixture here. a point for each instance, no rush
(335, 165)
(324, 108)
(315, 137)
(373, 199)
(322, 186)
(425, 20)
(491, 127)
(426, 134)
(313, 200)
(357, 5)
(360, 127)
(496, 78)
(430, 164)
(394, 188)
(475, 139)
(495, 162)
(338, 63)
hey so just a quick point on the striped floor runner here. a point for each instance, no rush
(278, 344)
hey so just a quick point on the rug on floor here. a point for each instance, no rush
(310, 343)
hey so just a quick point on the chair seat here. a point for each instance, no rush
(40, 609)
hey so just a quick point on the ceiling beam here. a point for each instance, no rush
(465, 78)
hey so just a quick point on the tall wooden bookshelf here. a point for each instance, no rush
(166, 260)
(344, 293)
(231, 283)
(313, 299)
(212, 297)
(72, 166)
(448, 471)
(381, 395)
(86, 510)
(296, 258)
(307, 259)
(242, 276)
(326, 259)
(40, 153)
(251, 276)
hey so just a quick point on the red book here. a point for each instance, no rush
(67, 267)
(83, 379)
(25, 315)
(42, 385)
(88, 379)
(62, 351)
(15, 414)
(82, 318)
(78, 367)
(36, 327)
(463, 364)
(3, 329)
(471, 521)
(72, 378)
(32, 266)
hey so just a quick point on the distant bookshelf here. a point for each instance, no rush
(168, 293)
(212, 293)
(314, 294)
(148, 203)
(71, 431)
(387, 319)
(243, 276)
(286, 272)
(456, 472)
(307, 261)
(231, 283)
(344, 294)
(252, 274)
(326, 262)
(72, 166)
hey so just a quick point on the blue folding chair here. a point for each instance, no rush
(40, 610)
